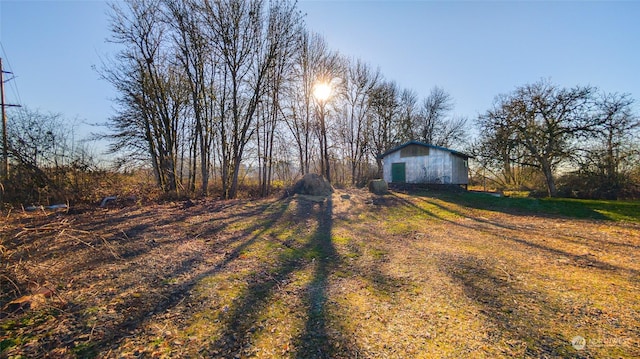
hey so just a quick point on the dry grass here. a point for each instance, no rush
(358, 275)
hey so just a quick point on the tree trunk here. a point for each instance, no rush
(551, 183)
(324, 145)
(233, 190)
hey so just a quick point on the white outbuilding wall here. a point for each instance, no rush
(439, 166)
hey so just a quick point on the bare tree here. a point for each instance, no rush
(408, 116)
(544, 120)
(282, 42)
(314, 63)
(299, 106)
(198, 61)
(608, 153)
(435, 124)
(192, 74)
(331, 66)
(247, 50)
(151, 89)
(497, 149)
(616, 130)
(383, 127)
(37, 141)
(359, 82)
(278, 78)
(434, 110)
(48, 161)
(453, 133)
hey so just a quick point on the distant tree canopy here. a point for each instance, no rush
(225, 89)
(214, 94)
(557, 131)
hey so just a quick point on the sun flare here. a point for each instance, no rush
(322, 91)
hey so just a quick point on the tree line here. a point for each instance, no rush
(213, 94)
(584, 137)
(215, 89)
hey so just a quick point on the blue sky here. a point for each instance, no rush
(51, 47)
(475, 50)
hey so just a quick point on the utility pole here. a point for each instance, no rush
(5, 142)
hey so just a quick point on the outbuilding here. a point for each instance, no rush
(422, 163)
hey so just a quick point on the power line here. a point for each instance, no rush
(12, 84)
(5, 143)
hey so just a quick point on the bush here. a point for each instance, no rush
(591, 186)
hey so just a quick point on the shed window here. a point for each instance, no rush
(414, 151)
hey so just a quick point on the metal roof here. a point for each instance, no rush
(414, 142)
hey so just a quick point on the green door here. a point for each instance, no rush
(398, 174)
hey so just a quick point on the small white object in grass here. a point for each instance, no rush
(107, 199)
(33, 208)
(57, 206)
(578, 342)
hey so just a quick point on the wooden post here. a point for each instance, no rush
(5, 143)
(5, 152)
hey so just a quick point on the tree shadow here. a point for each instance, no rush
(515, 234)
(125, 298)
(576, 238)
(315, 340)
(538, 207)
(158, 298)
(520, 317)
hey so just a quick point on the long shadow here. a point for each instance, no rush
(544, 208)
(126, 244)
(315, 340)
(147, 219)
(169, 297)
(526, 319)
(579, 260)
(135, 247)
(318, 338)
(576, 239)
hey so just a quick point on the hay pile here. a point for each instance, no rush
(378, 186)
(313, 185)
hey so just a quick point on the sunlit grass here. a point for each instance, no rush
(423, 276)
(519, 289)
(566, 207)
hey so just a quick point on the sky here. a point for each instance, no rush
(474, 50)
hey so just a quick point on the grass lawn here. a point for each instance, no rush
(429, 275)
(567, 207)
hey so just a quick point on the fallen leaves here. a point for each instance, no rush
(354, 275)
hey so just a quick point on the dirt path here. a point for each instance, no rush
(354, 276)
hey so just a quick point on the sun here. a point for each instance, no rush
(322, 91)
